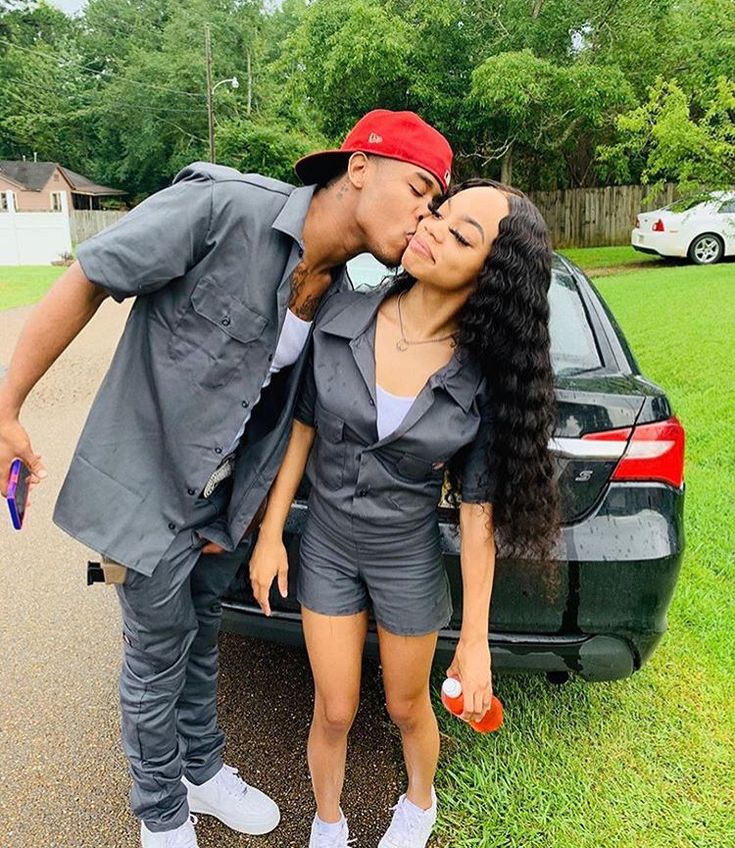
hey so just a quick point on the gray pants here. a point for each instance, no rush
(168, 684)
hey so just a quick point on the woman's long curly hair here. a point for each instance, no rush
(504, 325)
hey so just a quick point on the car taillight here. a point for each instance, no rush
(658, 227)
(654, 451)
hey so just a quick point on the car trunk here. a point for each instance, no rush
(528, 597)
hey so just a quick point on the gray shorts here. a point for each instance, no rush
(347, 565)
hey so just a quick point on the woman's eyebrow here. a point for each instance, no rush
(474, 223)
(467, 219)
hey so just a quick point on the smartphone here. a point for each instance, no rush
(17, 496)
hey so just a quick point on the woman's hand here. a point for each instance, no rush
(471, 666)
(269, 560)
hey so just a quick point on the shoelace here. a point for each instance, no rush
(182, 837)
(232, 782)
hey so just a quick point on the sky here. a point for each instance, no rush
(68, 6)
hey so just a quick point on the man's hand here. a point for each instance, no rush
(269, 560)
(15, 443)
(471, 666)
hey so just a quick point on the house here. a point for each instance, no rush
(38, 186)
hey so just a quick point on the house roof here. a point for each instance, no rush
(33, 176)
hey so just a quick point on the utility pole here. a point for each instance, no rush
(250, 85)
(210, 111)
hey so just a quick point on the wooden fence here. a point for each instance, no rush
(596, 217)
(577, 217)
(86, 223)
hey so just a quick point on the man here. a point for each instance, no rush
(191, 422)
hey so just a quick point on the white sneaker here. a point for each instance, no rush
(410, 827)
(228, 798)
(182, 837)
(338, 839)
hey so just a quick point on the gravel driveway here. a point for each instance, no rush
(64, 782)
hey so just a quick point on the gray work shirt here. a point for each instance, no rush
(395, 481)
(210, 260)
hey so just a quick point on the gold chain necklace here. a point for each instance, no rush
(403, 343)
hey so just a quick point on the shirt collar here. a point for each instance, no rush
(290, 220)
(460, 377)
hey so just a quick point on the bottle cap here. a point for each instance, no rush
(452, 688)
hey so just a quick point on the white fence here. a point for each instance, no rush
(33, 238)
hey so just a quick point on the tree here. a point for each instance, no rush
(533, 107)
(672, 144)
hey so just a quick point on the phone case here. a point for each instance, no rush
(15, 482)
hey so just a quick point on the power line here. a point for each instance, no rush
(103, 74)
(36, 87)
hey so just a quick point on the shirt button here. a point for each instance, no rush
(226, 322)
(171, 525)
(362, 493)
(270, 358)
(192, 491)
(218, 450)
(245, 404)
(301, 251)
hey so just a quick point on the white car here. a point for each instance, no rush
(701, 228)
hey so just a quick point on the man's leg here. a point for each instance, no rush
(202, 739)
(159, 627)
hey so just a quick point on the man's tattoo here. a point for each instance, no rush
(306, 309)
(341, 190)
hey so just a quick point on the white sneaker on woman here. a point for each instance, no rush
(328, 837)
(227, 797)
(181, 837)
(411, 826)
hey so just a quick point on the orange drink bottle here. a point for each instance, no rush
(453, 700)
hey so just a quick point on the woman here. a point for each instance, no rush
(445, 372)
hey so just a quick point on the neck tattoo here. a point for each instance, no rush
(303, 306)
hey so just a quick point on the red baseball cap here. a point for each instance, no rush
(395, 135)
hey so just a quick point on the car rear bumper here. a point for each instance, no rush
(664, 244)
(594, 658)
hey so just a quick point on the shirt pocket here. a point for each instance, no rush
(211, 336)
(331, 448)
(419, 470)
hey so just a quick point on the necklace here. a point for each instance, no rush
(403, 343)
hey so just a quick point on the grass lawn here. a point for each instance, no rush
(23, 284)
(650, 761)
(591, 258)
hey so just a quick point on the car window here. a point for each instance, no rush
(727, 207)
(687, 203)
(366, 272)
(573, 347)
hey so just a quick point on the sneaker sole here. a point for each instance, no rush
(254, 830)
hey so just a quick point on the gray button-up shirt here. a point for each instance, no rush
(210, 260)
(395, 481)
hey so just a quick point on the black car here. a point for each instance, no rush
(601, 610)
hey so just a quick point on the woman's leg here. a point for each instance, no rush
(406, 662)
(335, 645)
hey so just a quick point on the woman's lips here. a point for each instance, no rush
(420, 247)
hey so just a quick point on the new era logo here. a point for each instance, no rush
(374, 138)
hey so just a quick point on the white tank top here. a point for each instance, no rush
(392, 409)
(293, 338)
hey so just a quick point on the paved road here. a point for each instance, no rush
(64, 783)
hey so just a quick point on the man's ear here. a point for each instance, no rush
(357, 168)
